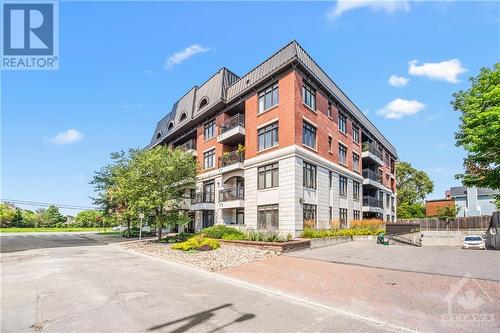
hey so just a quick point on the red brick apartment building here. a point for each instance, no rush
(278, 146)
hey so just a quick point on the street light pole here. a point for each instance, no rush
(141, 216)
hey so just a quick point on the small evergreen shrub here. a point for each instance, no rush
(198, 243)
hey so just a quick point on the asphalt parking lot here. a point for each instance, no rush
(452, 261)
(23, 242)
(81, 286)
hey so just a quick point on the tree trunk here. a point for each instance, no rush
(128, 228)
(159, 232)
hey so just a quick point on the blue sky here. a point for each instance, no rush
(115, 80)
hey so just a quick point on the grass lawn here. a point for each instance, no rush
(101, 230)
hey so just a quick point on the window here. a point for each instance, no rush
(268, 136)
(355, 190)
(309, 96)
(309, 135)
(208, 159)
(309, 215)
(381, 198)
(183, 116)
(203, 103)
(343, 217)
(342, 123)
(329, 111)
(208, 218)
(387, 201)
(158, 135)
(330, 213)
(240, 216)
(309, 175)
(268, 98)
(387, 159)
(343, 186)
(355, 162)
(170, 126)
(355, 133)
(342, 154)
(356, 215)
(209, 129)
(268, 176)
(330, 179)
(330, 143)
(268, 217)
(209, 192)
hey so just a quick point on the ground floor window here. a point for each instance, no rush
(343, 217)
(356, 215)
(208, 218)
(240, 216)
(268, 217)
(309, 214)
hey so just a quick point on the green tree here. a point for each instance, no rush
(6, 215)
(17, 220)
(115, 206)
(479, 130)
(30, 218)
(50, 217)
(155, 181)
(412, 187)
(89, 218)
(448, 213)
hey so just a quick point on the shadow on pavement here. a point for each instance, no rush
(199, 318)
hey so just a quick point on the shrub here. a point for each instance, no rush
(134, 232)
(309, 224)
(335, 224)
(181, 237)
(221, 231)
(235, 237)
(199, 243)
(268, 236)
(370, 224)
(337, 233)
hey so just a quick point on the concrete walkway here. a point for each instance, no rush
(413, 300)
(433, 260)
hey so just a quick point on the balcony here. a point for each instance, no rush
(372, 178)
(189, 146)
(232, 130)
(372, 204)
(232, 197)
(231, 161)
(372, 154)
(202, 200)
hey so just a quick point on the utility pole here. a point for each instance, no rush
(141, 217)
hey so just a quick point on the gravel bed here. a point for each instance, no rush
(225, 256)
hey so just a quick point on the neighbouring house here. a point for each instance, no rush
(433, 207)
(474, 201)
(280, 146)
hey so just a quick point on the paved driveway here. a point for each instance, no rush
(434, 260)
(104, 288)
(23, 241)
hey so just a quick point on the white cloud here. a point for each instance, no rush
(188, 52)
(448, 70)
(388, 6)
(67, 137)
(398, 81)
(399, 108)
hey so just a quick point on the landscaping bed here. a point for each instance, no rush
(227, 255)
(297, 244)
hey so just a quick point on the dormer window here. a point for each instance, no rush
(170, 126)
(158, 135)
(203, 103)
(183, 117)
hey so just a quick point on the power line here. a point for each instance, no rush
(47, 204)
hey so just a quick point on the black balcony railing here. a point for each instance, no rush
(202, 197)
(233, 193)
(373, 175)
(234, 121)
(372, 202)
(190, 144)
(231, 158)
(372, 149)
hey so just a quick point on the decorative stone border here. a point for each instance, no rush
(280, 246)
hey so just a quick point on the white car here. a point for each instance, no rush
(120, 228)
(473, 242)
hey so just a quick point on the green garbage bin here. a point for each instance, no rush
(380, 238)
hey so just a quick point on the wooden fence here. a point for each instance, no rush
(459, 223)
